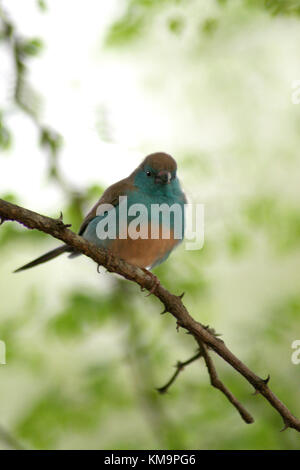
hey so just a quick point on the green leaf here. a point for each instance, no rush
(32, 47)
(51, 139)
(5, 138)
(82, 314)
(209, 26)
(125, 30)
(176, 25)
(42, 5)
(5, 135)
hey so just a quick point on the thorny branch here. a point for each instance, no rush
(214, 380)
(172, 303)
(179, 368)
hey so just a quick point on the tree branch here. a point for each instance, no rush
(179, 368)
(9, 440)
(27, 100)
(145, 279)
(214, 380)
(217, 383)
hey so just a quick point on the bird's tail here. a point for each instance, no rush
(46, 257)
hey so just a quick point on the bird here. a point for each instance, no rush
(153, 183)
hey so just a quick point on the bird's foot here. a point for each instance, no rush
(156, 283)
(108, 260)
(178, 325)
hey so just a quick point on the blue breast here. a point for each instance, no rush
(168, 195)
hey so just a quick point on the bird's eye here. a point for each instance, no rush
(148, 173)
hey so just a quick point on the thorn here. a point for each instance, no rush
(98, 268)
(179, 366)
(161, 390)
(266, 381)
(60, 220)
(178, 325)
(285, 427)
(181, 295)
(256, 392)
(164, 311)
(2, 220)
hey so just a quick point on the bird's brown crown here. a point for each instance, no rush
(160, 161)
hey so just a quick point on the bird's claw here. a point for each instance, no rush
(108, 259)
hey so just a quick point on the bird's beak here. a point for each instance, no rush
(163, 177)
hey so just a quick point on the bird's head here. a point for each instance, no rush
(157, 173)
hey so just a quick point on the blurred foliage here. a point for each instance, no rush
(85, 351)
(176, 24)
(281, 223)
(24, 96)
(5, 135)
(209, 26)
(283, 7)
(31, 47)
(71, 322)
(139, 15)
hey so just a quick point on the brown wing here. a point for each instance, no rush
(110, 196)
